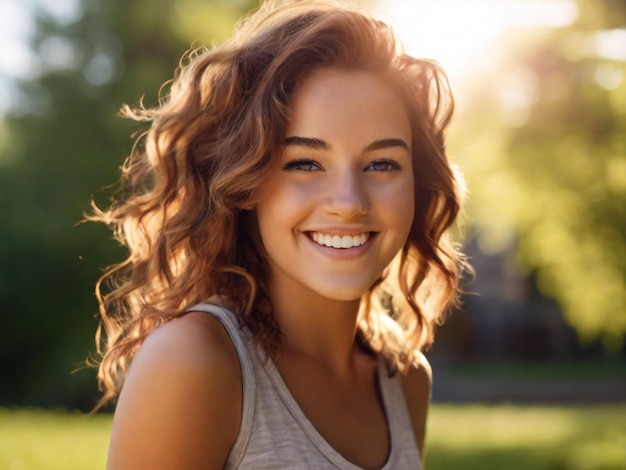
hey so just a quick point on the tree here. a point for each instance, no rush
(61, 143)
(546, 159)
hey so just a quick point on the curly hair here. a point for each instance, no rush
(189, 187)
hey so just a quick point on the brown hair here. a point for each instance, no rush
(190, 183)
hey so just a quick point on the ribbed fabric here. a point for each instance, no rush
(275, 433)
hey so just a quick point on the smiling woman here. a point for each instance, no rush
(287, 217)
(346, 174)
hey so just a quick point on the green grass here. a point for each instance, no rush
(508, 437)
(503, 437)
(47, 440)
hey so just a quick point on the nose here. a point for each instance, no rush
(346, 195)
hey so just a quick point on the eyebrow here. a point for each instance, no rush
(386, 143)
(319, 144)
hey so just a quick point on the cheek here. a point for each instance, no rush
(407, 213)
(278, 213)
(399, 206)
(286, 200)
(403, 214)
(267, 216)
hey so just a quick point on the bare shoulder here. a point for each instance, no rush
(417, 384)
(180, 405)
(419, 377)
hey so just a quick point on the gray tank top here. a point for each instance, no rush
(274, 432)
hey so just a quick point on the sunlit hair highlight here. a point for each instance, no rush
(189, 187)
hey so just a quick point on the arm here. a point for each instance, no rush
(180, 406)
(417, 385)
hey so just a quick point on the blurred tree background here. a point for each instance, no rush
(60, 143)
(541, 139)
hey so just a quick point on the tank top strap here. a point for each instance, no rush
(240, 340)
(398, 418)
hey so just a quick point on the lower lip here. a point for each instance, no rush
(342, 253)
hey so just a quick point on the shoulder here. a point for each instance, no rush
(180, 405)
(418, 379)
(417, 384)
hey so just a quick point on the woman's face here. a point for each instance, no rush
(342, 204)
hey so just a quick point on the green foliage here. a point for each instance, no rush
(62, 143)
(459, 437)
(543, 143)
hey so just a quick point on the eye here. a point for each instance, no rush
(302, 164)
(384, 164)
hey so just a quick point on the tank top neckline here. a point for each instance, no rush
(250, 352)
(312, 433)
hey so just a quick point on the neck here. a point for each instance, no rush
(315, 327)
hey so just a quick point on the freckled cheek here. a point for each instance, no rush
(284, 207)
(398, 203)
(401, 194)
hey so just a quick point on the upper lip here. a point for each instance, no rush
(341, 230)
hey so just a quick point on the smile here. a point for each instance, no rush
(339, 241)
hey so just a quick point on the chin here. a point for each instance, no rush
(342, 293)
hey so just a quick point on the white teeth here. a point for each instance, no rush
(339, 241)
(346, 241)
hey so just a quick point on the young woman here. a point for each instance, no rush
(286, 216)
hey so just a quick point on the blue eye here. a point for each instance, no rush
(301, 164)
(384, 164)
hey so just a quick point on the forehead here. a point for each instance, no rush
(338, 103)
